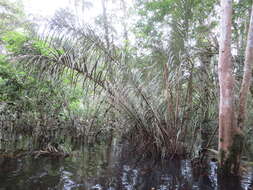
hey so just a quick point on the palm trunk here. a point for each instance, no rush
(205, 62)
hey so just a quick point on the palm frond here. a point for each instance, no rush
(71, 47)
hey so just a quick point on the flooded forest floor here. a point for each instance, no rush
(108, 165)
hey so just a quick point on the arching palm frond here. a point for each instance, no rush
(66, 45)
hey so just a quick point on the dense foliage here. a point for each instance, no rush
(149, 76)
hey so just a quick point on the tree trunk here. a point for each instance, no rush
(246, 76)
(125, 32)
(108, 41)
(105, 23)
(228, 138)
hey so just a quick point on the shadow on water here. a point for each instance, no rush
(105, 167)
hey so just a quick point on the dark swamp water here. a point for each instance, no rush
(110, 167)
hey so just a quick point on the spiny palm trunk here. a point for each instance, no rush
(205, 62)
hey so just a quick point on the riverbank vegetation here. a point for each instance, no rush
(147, 72)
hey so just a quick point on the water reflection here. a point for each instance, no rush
(103, 168)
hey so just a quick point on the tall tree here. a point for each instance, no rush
(226, 82)
(230, 134)
(11, 16)
(125, 32)
(105, 23)
(247, 75)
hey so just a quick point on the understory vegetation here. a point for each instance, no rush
(145, 72)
